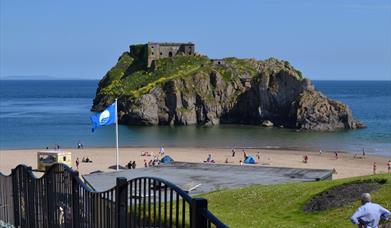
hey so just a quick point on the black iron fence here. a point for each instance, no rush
(61, 199)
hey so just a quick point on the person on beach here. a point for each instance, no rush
(145, 163)
(240, 162)
(79, 145)
(244, 154)
(155, 162)
(146, 153)
(129, 165)
(363, 153)
(134, 164)
(305, 158)
(77, 163)
(320, 152)
(374, 168)
(336, 155)
(389, 166)
(161, 152)
(209, 159)
(233, 152)
(369, 214)
(258, 155)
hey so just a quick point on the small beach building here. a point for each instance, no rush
(47, 158)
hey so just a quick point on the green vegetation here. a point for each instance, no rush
(242, 66)
(139, 80)
(282, 205)
(131, 76)
(116, 73)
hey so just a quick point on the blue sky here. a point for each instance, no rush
(326, 40)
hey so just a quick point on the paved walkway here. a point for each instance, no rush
(210, 177)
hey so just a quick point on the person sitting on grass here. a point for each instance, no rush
(369, 214)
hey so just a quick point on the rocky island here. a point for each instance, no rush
(171, 84)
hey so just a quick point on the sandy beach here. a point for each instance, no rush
(346, 165)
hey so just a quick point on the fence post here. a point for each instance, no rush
(15, 196)
(30, 189)
(121, 203)
(75, 200)
(50, 182)
(197, 220)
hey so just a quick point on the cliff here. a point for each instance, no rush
(187, 90)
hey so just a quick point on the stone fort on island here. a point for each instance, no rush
(164, 50)
(157, 51)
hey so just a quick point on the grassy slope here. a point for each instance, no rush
(281, 205)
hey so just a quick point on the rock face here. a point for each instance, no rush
(250, 93)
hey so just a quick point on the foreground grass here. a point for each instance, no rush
(281, 205)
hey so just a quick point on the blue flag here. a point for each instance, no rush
(107, 117)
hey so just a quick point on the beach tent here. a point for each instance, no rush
(166, 159)
(250, 160)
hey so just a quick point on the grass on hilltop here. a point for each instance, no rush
(282, 205)
(131, 77)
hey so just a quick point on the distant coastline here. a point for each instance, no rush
(42, 78)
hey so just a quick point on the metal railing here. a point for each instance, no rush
(61, 199)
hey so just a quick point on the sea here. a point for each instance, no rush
(39, 114)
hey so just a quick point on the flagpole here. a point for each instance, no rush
(116, 132)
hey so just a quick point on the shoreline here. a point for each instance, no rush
(277, 148)
(346, 165)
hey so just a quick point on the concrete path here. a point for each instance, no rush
(210, 177)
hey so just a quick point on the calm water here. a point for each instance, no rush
(36, 114)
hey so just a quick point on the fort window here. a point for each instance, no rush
(152, 53)
(161, 53)
(170, 54)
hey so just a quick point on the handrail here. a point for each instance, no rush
(169, 184)
(213, 219)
